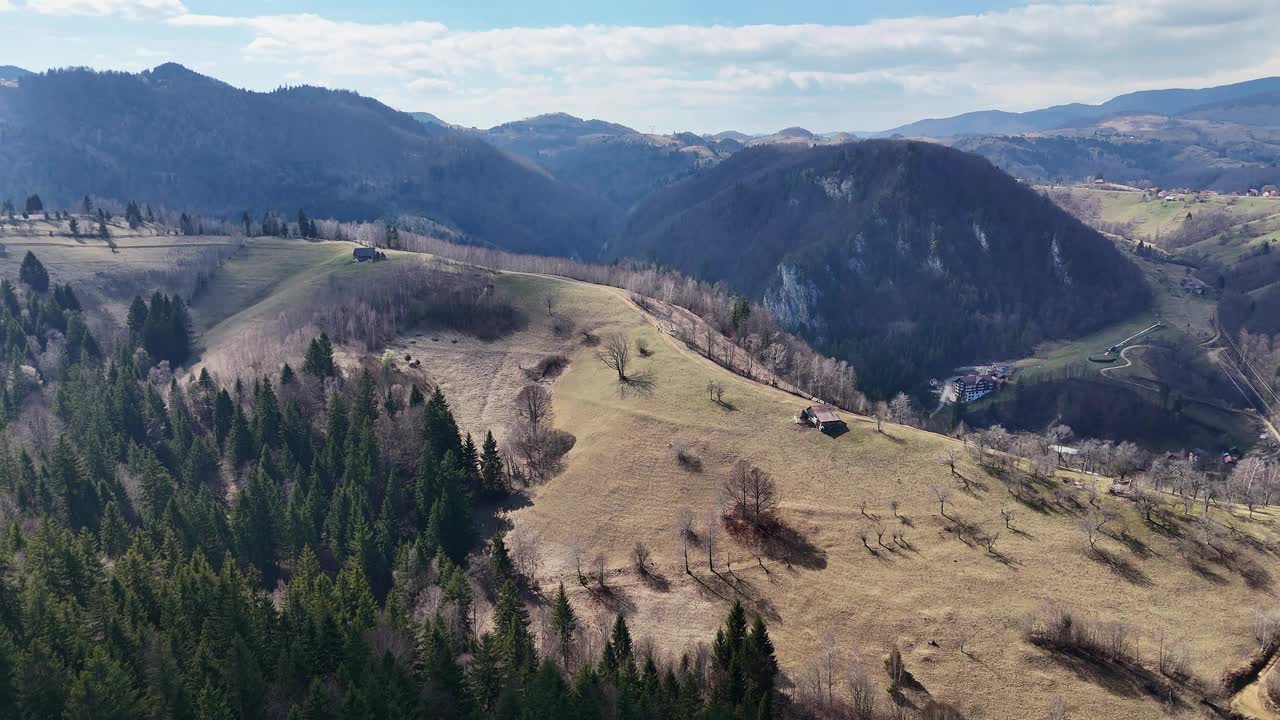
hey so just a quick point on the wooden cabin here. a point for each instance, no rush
(823, 417)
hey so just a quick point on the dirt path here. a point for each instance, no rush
(1124, 355)
(1252, 702)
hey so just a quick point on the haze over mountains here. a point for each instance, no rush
(932, 252)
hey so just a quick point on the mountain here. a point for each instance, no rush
(1262, 110)
(1160, 102)
(11, 75)
(616, 164)
(1144, 150)
(908, 258)
(427, 118)
(173, 137)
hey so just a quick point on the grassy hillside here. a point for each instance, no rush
(621, 484)
(955, 608)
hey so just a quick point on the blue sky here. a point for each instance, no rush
(665, 65)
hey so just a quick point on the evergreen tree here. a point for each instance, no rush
(619, 654)
(254, 523)
(102, 691)
(564, 624)
(500, 561)
(137, 317)
(491, 482)
(439, 671)
(224, 412)
(416, 397)
(33, 274)
(35, 204)
(318, 361)
(511, 627)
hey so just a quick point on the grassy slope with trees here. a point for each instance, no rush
(949, 570)
(905, 257)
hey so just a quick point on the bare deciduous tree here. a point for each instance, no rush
(753, 493)
(599, 564)
(640, 558)
(711, 530)
(1007, 514)
(881, 413)
(684, 533)
(941, 494)
(533, 404)
(615, 354)
(950, 458)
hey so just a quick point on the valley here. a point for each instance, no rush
(315, 409)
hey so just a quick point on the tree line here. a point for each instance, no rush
(296, 546)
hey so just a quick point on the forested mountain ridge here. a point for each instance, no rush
(904, 257)
(612, 162)
(189, 141)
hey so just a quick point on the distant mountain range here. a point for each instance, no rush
(904, 257)
(1154, 102)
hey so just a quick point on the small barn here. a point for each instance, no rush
(823, 417)
(361, 254)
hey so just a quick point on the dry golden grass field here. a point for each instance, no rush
(621, 484)
(956, 608)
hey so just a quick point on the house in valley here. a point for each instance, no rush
(972, 387)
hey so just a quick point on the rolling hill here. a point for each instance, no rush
(905, 257)
(173, 137)
(953, 588)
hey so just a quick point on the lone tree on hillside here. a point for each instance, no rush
(950, 458)
(33, 273)
(35, 204)
(615, 354)
(753, 492)
(941, 493)
(533, 404)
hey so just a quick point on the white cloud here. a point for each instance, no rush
(6, 6)
(133, 9)
(761, 77)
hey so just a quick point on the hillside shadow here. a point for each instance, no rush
(642, 384)
(1118, 678)
(1121, 567)
(786, 544)
(613, 599)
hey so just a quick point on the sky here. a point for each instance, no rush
(671, 65)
